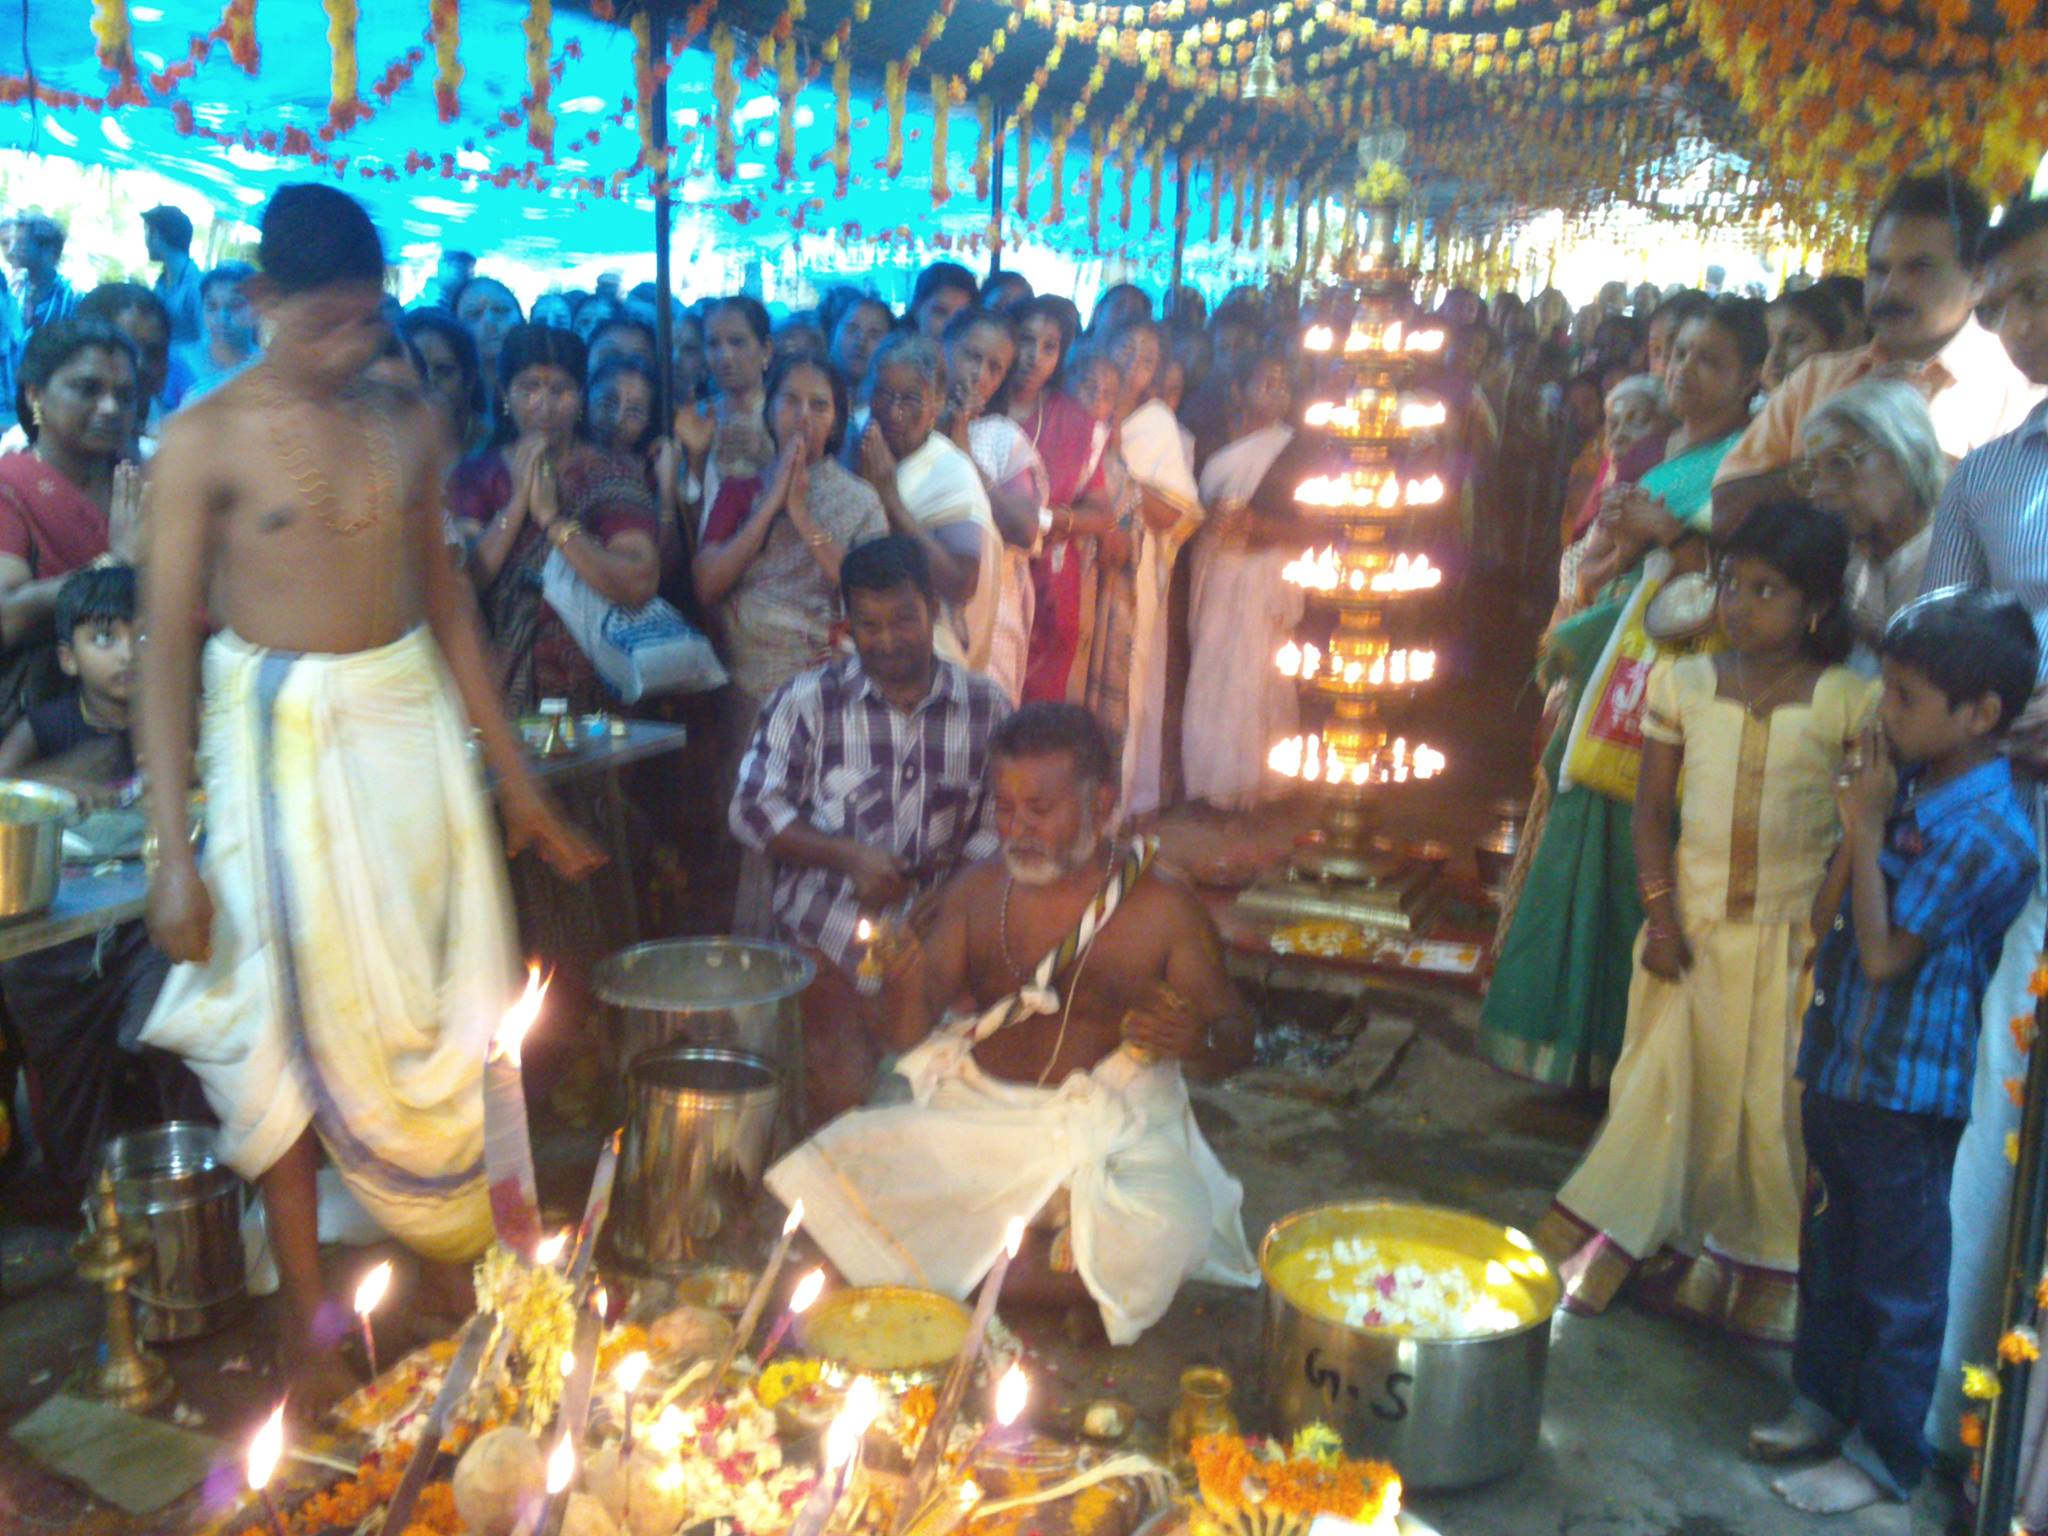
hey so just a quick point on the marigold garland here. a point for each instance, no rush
(787, 84)
(1023, 204)
(895, 91)
(1155, 169)
(238, 25)
(1056, 164)
(942, 116)
(540, 122)
(1095, 156)
(842, 123)
(114, 36)
(2019, 1346)
(1980, 1383)
(1234, 1477)
(984, 122)
(1970, 1431)
(344, 106)
(725, 92)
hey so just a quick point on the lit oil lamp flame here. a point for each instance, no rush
(520, 1017)
(1013, 1236)
(796, 1215)
(863, 931)
(561, 1466)
(1421, 415)
(1320, 338)
(807, 1291)
(568, 1363)
(601, 1299)
(631, 1371)
(863, 1403)
(266, 1450)
(1012, 1393)
(549, 1249)
(370, 1292)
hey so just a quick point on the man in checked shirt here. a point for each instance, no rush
(864, 783)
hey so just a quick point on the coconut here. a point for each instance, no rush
(499, 1477)
(689, 1333)
(654, 1507)
(585, 1516)
(605, 1480)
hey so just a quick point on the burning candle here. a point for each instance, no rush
(561, 1471)
(595, 1210)
(842, 1444)
(629, 1373)
(757, 1300)
(924, 1471)
(368, 1296)
(870, 967)
(548, 1251)
(801, 1300)
(265, 1451)
(508, 1148)
(1012, 1393)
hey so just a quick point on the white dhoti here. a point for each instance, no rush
(921, 1193)
(362, 936)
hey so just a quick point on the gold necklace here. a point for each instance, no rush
(313, 487)
(1755, 703)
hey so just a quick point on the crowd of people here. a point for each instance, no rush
(991, 584)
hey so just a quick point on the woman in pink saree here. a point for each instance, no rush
(1080, 526)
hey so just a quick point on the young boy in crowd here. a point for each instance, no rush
(1936, 862)
(75, 1008)
(80, 741)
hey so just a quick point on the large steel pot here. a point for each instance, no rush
(1446, 1412)
(169, 1186)
(32, 822)
(697, 1137)
(730, 994)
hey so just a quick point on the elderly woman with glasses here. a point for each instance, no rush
(1869, 455)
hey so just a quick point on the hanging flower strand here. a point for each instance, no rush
(344, 106)
(1023, 204)
(942, 116)
(238, 25)
(540, 124)
(787, 84)
(842, 123)
(984, 119)
(725, 91)
(445, 22)
(895, 90)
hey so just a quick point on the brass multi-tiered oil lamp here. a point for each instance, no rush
(1371, 493)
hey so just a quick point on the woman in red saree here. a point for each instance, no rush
(1080, 525)
(61, 500)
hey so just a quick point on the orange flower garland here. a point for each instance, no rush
(238, 24)
(540, 122)
(1023, 204)
(1303, 1487)
(725, 91)
(842, 123)
(1056, 163)
(895, 91)
(1155, 166)
(114, 37)
(942, 115)
(984, 121)
(344, 106)
(444, 25)
(787, 83)
(1095, 152)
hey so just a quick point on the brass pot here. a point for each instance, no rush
(32, 821)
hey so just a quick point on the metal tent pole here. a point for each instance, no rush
(2026, 1239)
(664, 217)
(1180, 232)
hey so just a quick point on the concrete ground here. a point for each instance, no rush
(1644, 1417)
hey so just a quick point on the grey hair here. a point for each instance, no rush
(1892, 416)
(1646, 387)
(908, 349)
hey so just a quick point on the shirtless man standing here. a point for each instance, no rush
(348, 950)
(1096, 979)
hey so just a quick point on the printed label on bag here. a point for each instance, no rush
(1618, 718)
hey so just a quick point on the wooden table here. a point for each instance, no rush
(91, 898)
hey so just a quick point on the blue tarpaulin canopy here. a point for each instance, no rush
(223, 131)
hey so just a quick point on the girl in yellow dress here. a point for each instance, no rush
(1697, 1174)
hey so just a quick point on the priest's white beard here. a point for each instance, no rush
(1030, 863)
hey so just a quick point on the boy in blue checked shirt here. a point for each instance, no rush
(1932, 871)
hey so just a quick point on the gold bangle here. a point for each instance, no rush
(562, 533)
(1653, 889)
